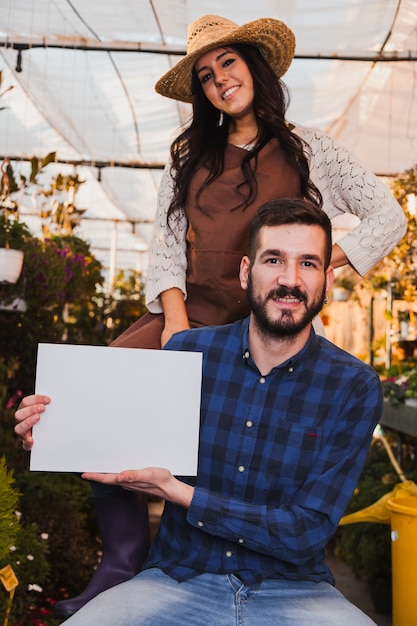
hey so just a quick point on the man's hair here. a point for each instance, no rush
(284, 211)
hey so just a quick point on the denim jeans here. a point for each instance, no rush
(154, 599)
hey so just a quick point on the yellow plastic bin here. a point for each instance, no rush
(404, 559)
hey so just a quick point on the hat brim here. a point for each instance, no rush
(273, 38)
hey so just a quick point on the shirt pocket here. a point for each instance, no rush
(292, 454)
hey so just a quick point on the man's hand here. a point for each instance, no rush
(27, 415)
(153, 480)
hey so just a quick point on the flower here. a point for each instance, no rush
(398, 388)
(55, 271)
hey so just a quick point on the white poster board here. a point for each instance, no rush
(114, 409)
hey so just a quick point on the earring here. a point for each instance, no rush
(221, 119)
(326, 299)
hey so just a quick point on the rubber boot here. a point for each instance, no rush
(124, 526)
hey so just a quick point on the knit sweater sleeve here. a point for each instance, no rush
(348, 187)
(167, 252)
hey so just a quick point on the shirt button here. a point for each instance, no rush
(241, 468)
(249, 423)
(240, 540)
(262, 380)
(229, 553)
(200, 524)
(246, 355)
(290, 369)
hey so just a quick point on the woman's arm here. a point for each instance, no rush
(167, 255)
(175, 313)
(348, 187)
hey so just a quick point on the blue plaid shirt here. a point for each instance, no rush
(279, 458)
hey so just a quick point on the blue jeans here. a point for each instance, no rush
(154, 599)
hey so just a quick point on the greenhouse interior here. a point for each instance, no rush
(104, 132)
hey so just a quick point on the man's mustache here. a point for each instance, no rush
(283, 292)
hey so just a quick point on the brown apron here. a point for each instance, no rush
(216, 242)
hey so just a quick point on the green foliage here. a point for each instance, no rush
(69, 525)
(126, 304)
(13, 234)
(56, 544)
(398, 388)
(12, 184)
(8, 503)
(20, 549)
(55, 271)
(62, 215)
(393, 391)
(344, 281)
(399, 267)
(28, 558)
(411, 384)
(366, 546)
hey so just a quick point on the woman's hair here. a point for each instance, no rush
(204, 141)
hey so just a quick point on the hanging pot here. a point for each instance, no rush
(340, 294)
(18, 305)
(11, 262)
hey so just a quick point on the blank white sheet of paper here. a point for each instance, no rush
(114, 409)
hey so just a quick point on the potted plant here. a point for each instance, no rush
(342, 289)
(401, 389)
(394, 390)
(13, 233)
(13, 236)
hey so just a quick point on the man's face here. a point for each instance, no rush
(287, 282)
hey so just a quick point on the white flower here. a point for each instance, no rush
(35, 588)
(12, 548)
(30, 557)
(44, 536)
(18, 514)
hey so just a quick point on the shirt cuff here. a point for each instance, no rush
(204, 509)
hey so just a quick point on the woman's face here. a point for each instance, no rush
(226, 81)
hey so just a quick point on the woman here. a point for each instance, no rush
(237, 153)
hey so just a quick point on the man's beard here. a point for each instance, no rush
(285, 325)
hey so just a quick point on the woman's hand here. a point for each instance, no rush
(153, 480)
(170, 329)
(27, 415)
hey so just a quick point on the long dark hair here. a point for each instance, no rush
(204, 141)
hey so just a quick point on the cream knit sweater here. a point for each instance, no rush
(346, 186)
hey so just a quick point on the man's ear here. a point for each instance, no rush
(329, 278)
(244, 272)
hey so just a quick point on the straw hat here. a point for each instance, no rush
(273, 38)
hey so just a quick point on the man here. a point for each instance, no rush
(286, 421)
